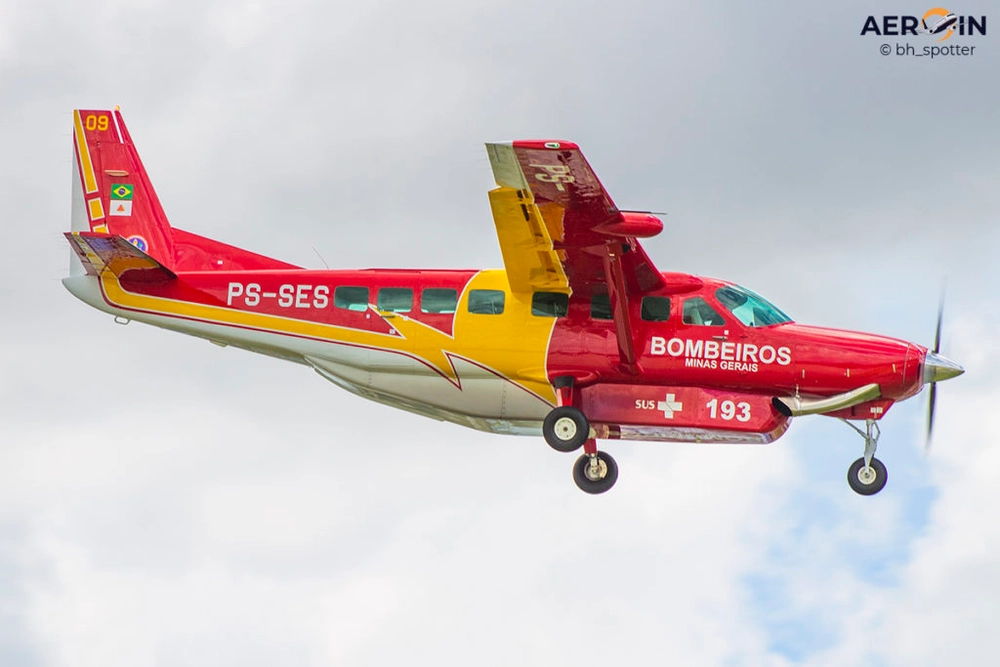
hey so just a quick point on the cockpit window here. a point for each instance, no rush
(698, 312)
(749, 308)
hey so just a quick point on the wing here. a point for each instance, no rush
(559, 230)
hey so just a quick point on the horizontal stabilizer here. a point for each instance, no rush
(101, 253)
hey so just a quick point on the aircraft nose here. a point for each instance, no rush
(938, 368)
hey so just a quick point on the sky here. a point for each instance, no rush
(167, 502)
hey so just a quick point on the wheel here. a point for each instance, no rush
(867, 481)
(598, 481)
(565, 429)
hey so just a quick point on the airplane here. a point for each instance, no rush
(578, 338)
(945, 22)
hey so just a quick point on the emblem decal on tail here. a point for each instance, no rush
(138, 242)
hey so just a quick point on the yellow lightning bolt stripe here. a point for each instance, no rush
(86, 165)
(513, 345)
(428, 343)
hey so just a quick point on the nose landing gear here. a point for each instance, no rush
(867, 476)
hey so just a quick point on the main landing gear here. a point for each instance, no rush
(867, 475)
(595, 473)
(566, 429)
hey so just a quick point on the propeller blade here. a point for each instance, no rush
(932, 397)
(937, 332)
(931, 401)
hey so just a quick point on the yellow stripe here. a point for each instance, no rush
(89, 180)
(101, 229)
(514, 345)
(96, 209)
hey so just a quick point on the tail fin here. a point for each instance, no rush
(113, 194)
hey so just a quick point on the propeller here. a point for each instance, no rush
(932, 397)
(936, 368)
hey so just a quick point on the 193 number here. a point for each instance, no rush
(728, 410)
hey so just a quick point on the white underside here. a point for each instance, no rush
(481, 399)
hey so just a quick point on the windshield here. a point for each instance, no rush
(751, 309)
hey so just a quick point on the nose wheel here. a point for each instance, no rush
(867, 476)
(867, 479)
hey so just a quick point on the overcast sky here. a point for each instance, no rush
(167, 502)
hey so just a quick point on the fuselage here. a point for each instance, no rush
(460, 345)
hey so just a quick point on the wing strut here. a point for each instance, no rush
(619, 307)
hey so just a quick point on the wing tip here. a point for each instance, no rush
(537, 144)
(545, 144)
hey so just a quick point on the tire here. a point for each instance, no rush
(565, 429)
(581, 474)
(867, 487)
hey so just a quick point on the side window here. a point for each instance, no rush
(438, 300)
(655, 308)
(351, 298)
(395, 299)
(486, 301)
(698, 312)
(549, 304)
(600, 307)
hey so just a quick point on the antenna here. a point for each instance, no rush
(320, 257)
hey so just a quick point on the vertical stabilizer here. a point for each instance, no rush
(112, 193)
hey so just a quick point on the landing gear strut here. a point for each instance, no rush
(867, 475)
(566, 429)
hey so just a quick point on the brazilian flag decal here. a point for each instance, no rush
(122, 191)
(121, 199)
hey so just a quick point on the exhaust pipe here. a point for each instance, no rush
(795, 406)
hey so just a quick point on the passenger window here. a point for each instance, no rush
(698, 312)
(486, 301)
(438, 300)
(600, 307)
(655, 308)
(351, 298)
(395, 299)
(549, 304)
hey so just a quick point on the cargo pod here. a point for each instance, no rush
(681, 413)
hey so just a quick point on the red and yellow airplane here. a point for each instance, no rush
(578, 338)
